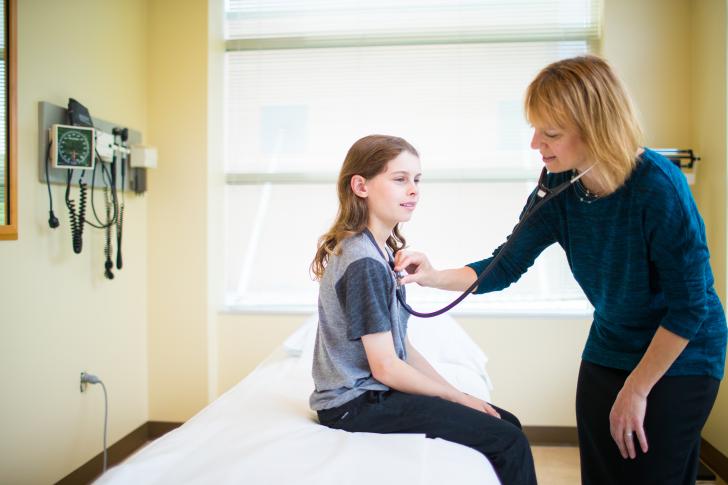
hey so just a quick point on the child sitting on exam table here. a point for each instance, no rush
(367, 374)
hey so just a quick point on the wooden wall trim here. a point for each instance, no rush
(552, 435)
(716, 460)
(160, 428)
(118, 452)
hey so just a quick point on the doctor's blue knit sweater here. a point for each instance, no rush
(640, 256)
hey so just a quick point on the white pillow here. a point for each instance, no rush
(464, 379)
(451, 351)
(442, 340)
(302, 338)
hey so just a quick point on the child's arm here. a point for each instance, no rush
(418, 361)
(391, 371)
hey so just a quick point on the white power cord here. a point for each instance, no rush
(92, 379)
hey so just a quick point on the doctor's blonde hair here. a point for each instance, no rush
(584, 93)
(367, 157)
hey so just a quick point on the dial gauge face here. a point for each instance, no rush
(75, 147)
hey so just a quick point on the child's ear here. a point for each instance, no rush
(359, 186)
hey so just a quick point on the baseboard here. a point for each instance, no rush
(151, 430)
(159, 428)
(552, 435)
(118, 452)
(716, 460)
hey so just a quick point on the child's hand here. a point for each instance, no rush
(417, 266)
(478, 405)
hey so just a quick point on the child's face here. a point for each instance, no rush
(561, 149)
(393, 194)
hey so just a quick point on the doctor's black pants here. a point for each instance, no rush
(677, 408)
(500, 440)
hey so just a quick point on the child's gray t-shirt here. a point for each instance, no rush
(357, 296)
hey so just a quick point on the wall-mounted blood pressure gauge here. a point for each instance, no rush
(72, 147)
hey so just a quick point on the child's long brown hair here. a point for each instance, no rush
(367, 157)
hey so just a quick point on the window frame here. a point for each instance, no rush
(9, 231)
(561, 308)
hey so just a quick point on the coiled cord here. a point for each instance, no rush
(124, 134)
(77, 219)
(81, 211)
(108, 264)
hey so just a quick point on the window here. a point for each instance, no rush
(304, 80)
(8, 128)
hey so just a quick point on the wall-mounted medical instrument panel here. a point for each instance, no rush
(50, 115)
(78, 151)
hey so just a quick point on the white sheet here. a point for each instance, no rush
(262, 432)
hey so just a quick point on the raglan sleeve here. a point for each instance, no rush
(364, 293)
(679, 253)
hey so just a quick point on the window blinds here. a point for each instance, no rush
(305, 79)
(252, 24)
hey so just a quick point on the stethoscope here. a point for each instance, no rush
(542, 195)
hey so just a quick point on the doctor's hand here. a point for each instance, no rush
(418, 268)
(626, 421)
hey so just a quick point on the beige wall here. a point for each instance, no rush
(708, 66)
(59, 315)
(669, 54)
(648, 43)
(177, 107)
(533, 363)
(245, 340)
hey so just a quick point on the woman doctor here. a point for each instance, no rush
(636, 245)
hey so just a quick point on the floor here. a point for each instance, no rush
(559, 465)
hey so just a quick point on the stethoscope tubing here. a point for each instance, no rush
(540, 197)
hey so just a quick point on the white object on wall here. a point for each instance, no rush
(143, 156)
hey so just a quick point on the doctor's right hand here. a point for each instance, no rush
(418, 268)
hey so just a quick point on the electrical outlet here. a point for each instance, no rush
(105, 145)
